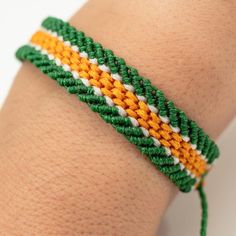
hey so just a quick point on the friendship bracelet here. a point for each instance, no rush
(175, 144)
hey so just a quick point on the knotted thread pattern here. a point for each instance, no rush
(189, 130)
(127, 102)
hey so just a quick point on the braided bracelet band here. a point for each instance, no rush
(130, 103)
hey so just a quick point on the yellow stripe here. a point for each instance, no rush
(124, 98)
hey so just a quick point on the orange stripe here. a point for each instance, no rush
(124, 98)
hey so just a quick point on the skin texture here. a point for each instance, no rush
(63, 170)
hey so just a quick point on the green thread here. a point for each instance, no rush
(203, 231)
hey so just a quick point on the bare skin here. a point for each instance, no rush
(63, 170)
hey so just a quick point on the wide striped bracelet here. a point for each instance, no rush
(175, 144)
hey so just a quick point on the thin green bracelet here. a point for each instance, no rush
(176, 145)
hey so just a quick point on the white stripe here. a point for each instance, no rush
(121, 111)
(176, 160)
(85, 82)
(83, 54)
(141, 98)
(182, 167)
(145, 132)
(185, 138)
(97, 91)
(116, 77)
(75, 48)
(153, 109)
(168, 151)
(104, 68)
(134, 121)
(156, 142)
(93, 61)
(67, 43)
(58, 61)
(165, 119)
(129, 87)
(193, 146)
(109, 101)
(51, 57)
(75, 74)
(175, 129)
(66, 68)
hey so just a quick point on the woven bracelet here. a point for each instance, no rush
(175, 144)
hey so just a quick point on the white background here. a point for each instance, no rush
(19, 19)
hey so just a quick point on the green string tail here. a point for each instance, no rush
(204, 206)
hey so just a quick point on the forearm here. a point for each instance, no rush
(78, 174)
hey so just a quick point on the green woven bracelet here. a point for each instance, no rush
(176, 145)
